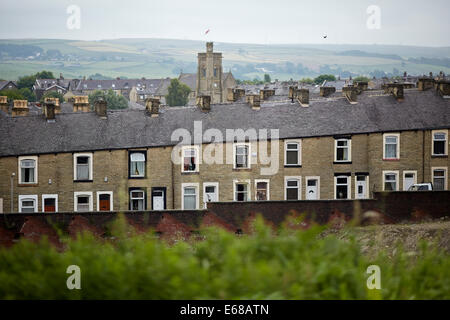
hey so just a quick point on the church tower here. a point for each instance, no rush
(209, 74)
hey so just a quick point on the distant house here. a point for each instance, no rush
(42, 86)
(8, 85)
(156, 88)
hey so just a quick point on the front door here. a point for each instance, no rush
(361, 187)
(105, 202)
(312, 189)
(410, 179)
(210, 194)
(158, 199)
(50, 205)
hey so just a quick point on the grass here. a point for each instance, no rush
(288, 265)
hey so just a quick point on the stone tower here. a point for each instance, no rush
(209, 74)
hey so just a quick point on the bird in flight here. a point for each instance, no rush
(325, 36)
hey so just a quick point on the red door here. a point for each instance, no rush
(49, 205)
(105, 202)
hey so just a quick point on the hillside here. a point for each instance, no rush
(154, 58)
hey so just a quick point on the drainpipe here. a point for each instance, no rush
(423, 156)
(173, 186)
(12, 191)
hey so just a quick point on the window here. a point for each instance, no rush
(28, 170)
(82, 166)
(342, 187)
(262, 190)
(105, 201)
(137, 165)
(83, 202)
(390, 180)
(292, 153)
(241, 156)
(215, 72)
(439, 179)
(190, 196)
(190, 159)
(203, 72)
(391, 149)
(49, 203)
(292, 188)
(242, 190)
(439, 143)
(343, 150)
(137, 200)
(210, 192)
(28, 203)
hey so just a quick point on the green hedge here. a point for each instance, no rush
(288, 265)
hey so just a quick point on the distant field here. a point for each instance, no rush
(155, 58)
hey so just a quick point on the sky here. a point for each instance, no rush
(394, 22)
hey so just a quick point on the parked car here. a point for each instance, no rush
(421, 187)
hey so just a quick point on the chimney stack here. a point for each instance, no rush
(81, 104)
(326, 91)
(303, 97)
(20, 108)
(55, 101)
(204, 102)
(266, 93)
(152, 106)
(293, 93)
(443, 88)
(4, 104)
(101, 108)
(425, 84)
(235, 94)
(254, 101)
(351, 93)
(49, 111)
(396, 89)
(361, 86)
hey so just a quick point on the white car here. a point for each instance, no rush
(421, 187)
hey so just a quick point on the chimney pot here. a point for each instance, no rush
(254, 101)
(49, 110)
(204, 102)
(101, 108)
(20, 108)
(4, 104)
(152, 106)
(81, 103)
(303, 97)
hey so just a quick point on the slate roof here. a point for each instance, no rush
(189, 79)
(4, 83)
(375, 112)
(117, 84)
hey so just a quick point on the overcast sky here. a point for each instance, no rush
(403, 22)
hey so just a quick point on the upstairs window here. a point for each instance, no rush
(292, 156)
(28, 170)
(241, 158)
(190, 159)
(83, 167)
(439, 143)
(391, 149)
(137, 165)
(343, 150)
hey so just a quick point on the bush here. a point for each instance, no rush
(113, 100)
(52, 94)
(289, 265)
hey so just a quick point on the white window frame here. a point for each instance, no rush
(397, 174)
(268, 188)
(445, 176)
(404, 177)
(240, 144)
(110, 193)
(249, 189)
(446, 142)
(299, 152)
(50, 196)
(299, 179)
(349, 187)
(35, 158)
(145, 164)
(83, 193)
(349, 148)
(144, 198)
(209, 184)
(1, 205)
(197, 155)
(90, 163)
(318, 185)
(29, 196)
(398, 145)
(197, 195)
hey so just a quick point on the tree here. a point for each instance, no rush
(53, 94)
(28, 94)
(12, 94)
(113, 100)
(178, 93)
(320, 79)
(44, 75)
(26, 82)
(307, 80)
(267, 78)
(361, 79)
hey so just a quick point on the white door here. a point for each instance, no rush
(361, 187)
(210, 194)
(410, 179)
(158, 200)
(312, 190)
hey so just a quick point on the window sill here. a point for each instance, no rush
(137, 178)
(439, 156)
(391, 160)
(242, 169)
(342, 162)
(83, 181)
(292, 165)
(189, 173)
(28, 185)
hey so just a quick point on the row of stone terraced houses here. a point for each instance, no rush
(339, 145)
